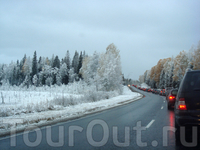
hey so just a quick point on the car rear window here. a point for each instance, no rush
(192, 82)
(174, 92)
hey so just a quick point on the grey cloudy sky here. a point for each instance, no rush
(143, 30)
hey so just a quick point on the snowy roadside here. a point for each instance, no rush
(49, 117)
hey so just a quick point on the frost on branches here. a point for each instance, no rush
(169, 72)
(104, 70)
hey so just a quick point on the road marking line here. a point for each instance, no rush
(162, 107)
(150, 123)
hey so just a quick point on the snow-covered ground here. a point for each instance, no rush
(40, 106)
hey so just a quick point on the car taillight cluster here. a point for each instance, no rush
(181, 104)
(172, 97)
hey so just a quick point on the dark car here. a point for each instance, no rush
(187, 105)
(160, 93)
(168, 89)
(157, 91)
(153, 91)
(171, 97)
(163, 92)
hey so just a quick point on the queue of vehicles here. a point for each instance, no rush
(169, 93)
(155, 91)
(185, 102)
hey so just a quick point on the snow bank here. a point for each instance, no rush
(39, 107)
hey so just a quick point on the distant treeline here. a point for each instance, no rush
(102, 70)
(169, 72)
(43, 70)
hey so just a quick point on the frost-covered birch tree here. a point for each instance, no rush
(196, 58)
(109, 70)
(180, 66)
(89, 68)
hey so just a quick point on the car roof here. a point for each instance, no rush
(193, 71)
(174, 89)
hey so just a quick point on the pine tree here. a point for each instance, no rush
(51, 61)
(75, 62)
(1, 74)
(21, 72)
(17, 73)
(80, 65)
(64, 74)
(56, 63)
(67, 60)
(40, 64)
(12, 81)
(34, 65)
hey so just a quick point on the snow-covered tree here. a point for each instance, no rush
(72, 75)
(34, 65)
(141, 78)
(196, 58)
(49, 81)
(21, 73)
(44, 74)
(109, 70)
(168, 69)
(75, 62)
(67, 60)
(158, 71)
(56, 63)
(80, 65)
(162, 79)
(47, 62)
(180, 66)
(89, 68)
(35, 80)
(51, 61)
(26, 81)
(58, 79)
(26, 69)
(63, 72)
(14, 76)
(41, 63)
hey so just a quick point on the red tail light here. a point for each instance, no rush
(171, 97)
(181, 104)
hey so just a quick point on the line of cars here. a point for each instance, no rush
(185, 102)
(169, 92)
(161, 92)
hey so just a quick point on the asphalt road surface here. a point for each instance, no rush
(143, 124)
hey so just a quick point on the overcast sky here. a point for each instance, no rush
(143, 30)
